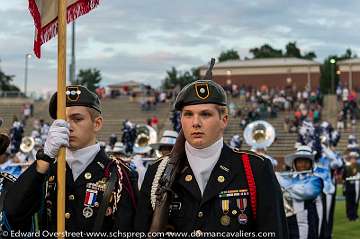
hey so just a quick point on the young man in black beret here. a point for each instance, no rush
(99, 191)
(215, 188)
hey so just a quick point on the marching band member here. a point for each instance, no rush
(166, 142)
(352, 185)
(5, 157)
(235, 142)
(300, 189)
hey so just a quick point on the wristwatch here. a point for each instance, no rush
(40, 155)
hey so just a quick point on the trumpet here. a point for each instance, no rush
(290, 173)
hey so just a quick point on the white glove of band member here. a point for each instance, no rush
(58, 136)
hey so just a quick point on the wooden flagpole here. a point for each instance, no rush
(61, 104)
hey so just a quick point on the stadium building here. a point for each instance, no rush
(272, 72)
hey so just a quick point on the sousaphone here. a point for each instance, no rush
(27, 144)
(259, 134)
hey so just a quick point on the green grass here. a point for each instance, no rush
(343, 228)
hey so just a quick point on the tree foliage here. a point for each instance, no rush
(328, 70)
(177, 78)
(291, 50)
(265, 51)
(89, 78)
(6, 82)
(229, 55)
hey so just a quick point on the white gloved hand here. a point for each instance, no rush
(58, 136)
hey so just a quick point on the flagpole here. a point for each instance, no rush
(61, 87)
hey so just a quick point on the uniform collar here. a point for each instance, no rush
(78, 160)
(202, 161)
(226, 168)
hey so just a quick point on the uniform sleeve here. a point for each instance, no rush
(306, 190)
(24, 198)
(144, 210)
(270, 209)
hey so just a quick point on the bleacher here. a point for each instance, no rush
(115, 111)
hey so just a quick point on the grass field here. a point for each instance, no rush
(343, 228)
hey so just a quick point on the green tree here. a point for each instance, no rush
(292, 50)
(328, 70)
(229, 55)
(89, 78)
(309, 55)
(177, 78)
(6, 82)
(265, 51)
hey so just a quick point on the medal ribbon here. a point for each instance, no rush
(241, 203)
(225, 206)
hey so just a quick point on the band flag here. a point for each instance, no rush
(45, 15)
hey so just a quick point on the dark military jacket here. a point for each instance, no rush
(226, 193)
(35, 192)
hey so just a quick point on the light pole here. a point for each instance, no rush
(27, 57)
(332, 61)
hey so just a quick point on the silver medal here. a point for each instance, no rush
(88, 212)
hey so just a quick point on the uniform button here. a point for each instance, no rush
(221, 179)
(71, 197)
(200, 214)
(87, 175)
(67, 215)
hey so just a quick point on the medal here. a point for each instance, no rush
(87, 212)
(242, 204)
(242, 218)
(225, 219)
(90, 197)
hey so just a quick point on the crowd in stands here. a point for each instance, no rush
(265, 103)
(349, 110)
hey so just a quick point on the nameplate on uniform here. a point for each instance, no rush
(234, 193)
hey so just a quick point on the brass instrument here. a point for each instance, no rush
(259, 134)
(145, 135)
(27, 144)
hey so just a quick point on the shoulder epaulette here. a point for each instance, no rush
(120, 162)
(249, 152)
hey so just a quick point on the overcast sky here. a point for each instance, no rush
(141, 39)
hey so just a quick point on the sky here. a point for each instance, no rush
(140, 40)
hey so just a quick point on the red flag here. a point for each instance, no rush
(44, 13)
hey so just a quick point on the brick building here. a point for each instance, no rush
(272, 72)
(350, 73)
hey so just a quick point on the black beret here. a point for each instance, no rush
(201, 92)
(76, 95)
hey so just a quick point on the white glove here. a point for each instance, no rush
(58, 136)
